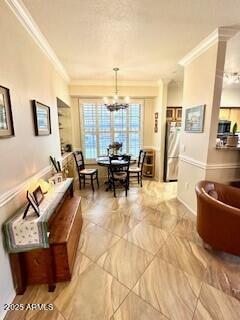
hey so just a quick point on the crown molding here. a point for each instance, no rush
(23, 15)
(220, 34)
(107, 83)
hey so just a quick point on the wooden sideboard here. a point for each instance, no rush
(53, 264)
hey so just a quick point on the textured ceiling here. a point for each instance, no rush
(145, 38)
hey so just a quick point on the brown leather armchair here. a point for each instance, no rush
(218, 215)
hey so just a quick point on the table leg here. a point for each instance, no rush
(51, 271)
(17, 267)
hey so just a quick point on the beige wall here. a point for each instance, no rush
(199, 157)
(28, 74)
(99, 90)
(175, 94)
(199, 82)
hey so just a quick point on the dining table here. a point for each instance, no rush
(104, 161)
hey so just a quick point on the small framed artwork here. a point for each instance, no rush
(156, 126)
(42, 119)
(38, 195)
(57, 178)
(6, 119)
(194, 119)
(156, 115)
(31, 203)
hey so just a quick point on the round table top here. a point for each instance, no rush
(104, 161)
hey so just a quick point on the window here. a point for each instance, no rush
(100, 127)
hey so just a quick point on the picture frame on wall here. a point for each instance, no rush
(42, 119)
(6, 118)
(156, 122)
(194, 119)
(156, 126)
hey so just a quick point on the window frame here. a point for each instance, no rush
(97, 101)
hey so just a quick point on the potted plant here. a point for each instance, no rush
(115, 147)
(232, 139)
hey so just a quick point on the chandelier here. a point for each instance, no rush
(115, 103)
(232, 77)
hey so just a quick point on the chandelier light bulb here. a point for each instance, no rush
(115, 104)
(232, 77)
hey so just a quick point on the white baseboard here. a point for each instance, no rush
(186, 205)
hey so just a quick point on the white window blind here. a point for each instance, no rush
(100, 127)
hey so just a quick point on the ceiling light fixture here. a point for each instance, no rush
(232, 77)
(115, 103)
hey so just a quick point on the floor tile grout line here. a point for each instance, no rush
(197, 300)
(150, 303)
(121, 236)
(131, 290)
(101, 253)
(139, 221)
(60, 311)
(155, 256)
(142, 297)
(119, 280)
(171, 233)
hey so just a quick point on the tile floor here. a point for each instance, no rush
(141, 258)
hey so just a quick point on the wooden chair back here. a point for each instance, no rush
(79, 159)
(141, 159)
(113, 168)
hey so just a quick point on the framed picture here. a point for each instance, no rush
(38, 195)
(6, 120)
(156, 126)
(57, 178)
(42, 119)
(31, 203)
(156, 115)
(194, 119)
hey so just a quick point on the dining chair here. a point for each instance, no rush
(119, 173)
(137, 171)
(83, 173)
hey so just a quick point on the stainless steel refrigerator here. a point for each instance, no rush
(171, 156)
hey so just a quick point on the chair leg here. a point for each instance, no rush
(97, 179)
(138, 177)
(80, 182)
(141, 180)
(84, 181)
(114, 191)
(92, 183)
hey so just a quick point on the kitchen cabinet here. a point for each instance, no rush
(230, 114)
